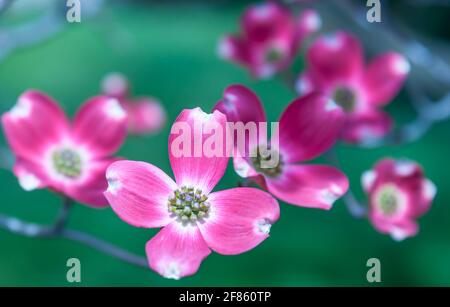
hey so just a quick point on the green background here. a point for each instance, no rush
(168, 51)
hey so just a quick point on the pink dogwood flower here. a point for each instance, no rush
(69, 159)
(335, 66)
(398, 195)
(270, 38)
(307, 128)
(195, 220)
(145, 114)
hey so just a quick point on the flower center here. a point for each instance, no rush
(345, 98)
(67, 162)
(268, 162)
(387, 200)
(189, 204)
(273, 55)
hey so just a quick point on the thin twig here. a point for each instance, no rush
(33, 230)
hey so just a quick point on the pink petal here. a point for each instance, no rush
(101, 124)
(399, 230)
(115, 85)
(33, 124)
(305, 84)
(385, 77)
(309, 22)
(264, 21)
(243, 109)
(240, 104)
(239, 219)
(31, 176)
(145, 115)
(369, 125)
(309, 126)
(138, 192)
(177, 251)
(408, 176)
(234, 48)
(198, 149)
(90, 190)
(312, 186)
(335, 58)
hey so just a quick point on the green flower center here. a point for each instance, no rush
(189, 204)
(273, 55)
(67, 162)
(263, 162)
(345, 98)
(387, 200)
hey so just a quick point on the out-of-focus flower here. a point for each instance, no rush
(308, 127)
(336, 68)
(195, 220)
(398, 195)
(69, 159)
(145, 114)
(270, 38)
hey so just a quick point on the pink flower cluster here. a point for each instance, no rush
(398, 193)
(340, 99)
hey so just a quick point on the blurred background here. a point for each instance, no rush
(167, 49)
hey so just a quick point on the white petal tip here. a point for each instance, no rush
(29, 182)
(401, 66)
(115, 84)
(405, 168)
(398, 234)
(313, 22)
(368, 179)
(429, 189)
(113, 182)
(22, 108)
(263, 226)
(172, 271)
(331, 105)
(225, 48)
(114, 110)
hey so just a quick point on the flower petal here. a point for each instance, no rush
(398, 230)
(177, 251)
(335, 58)
(384, 77)
(312, 186)
(101, 124)
(31, 176)
(309, 126)
(363, 126)
(90, 190)
(239, 219)
(115, 85)
(138, 192)
(145, 115)
(240, 104)
(308, 22)
(263, 22)
(198, 149)
(234, 48)
(34, 123)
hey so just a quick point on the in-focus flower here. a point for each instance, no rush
(336, 68)
(195, 220)
(398, 195)
(270, 38)
(308, 127)
(145, 114)
(69, 159)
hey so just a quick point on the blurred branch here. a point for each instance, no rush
(42, 27)
(356, 209)
(6, 159)
(57, 230)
